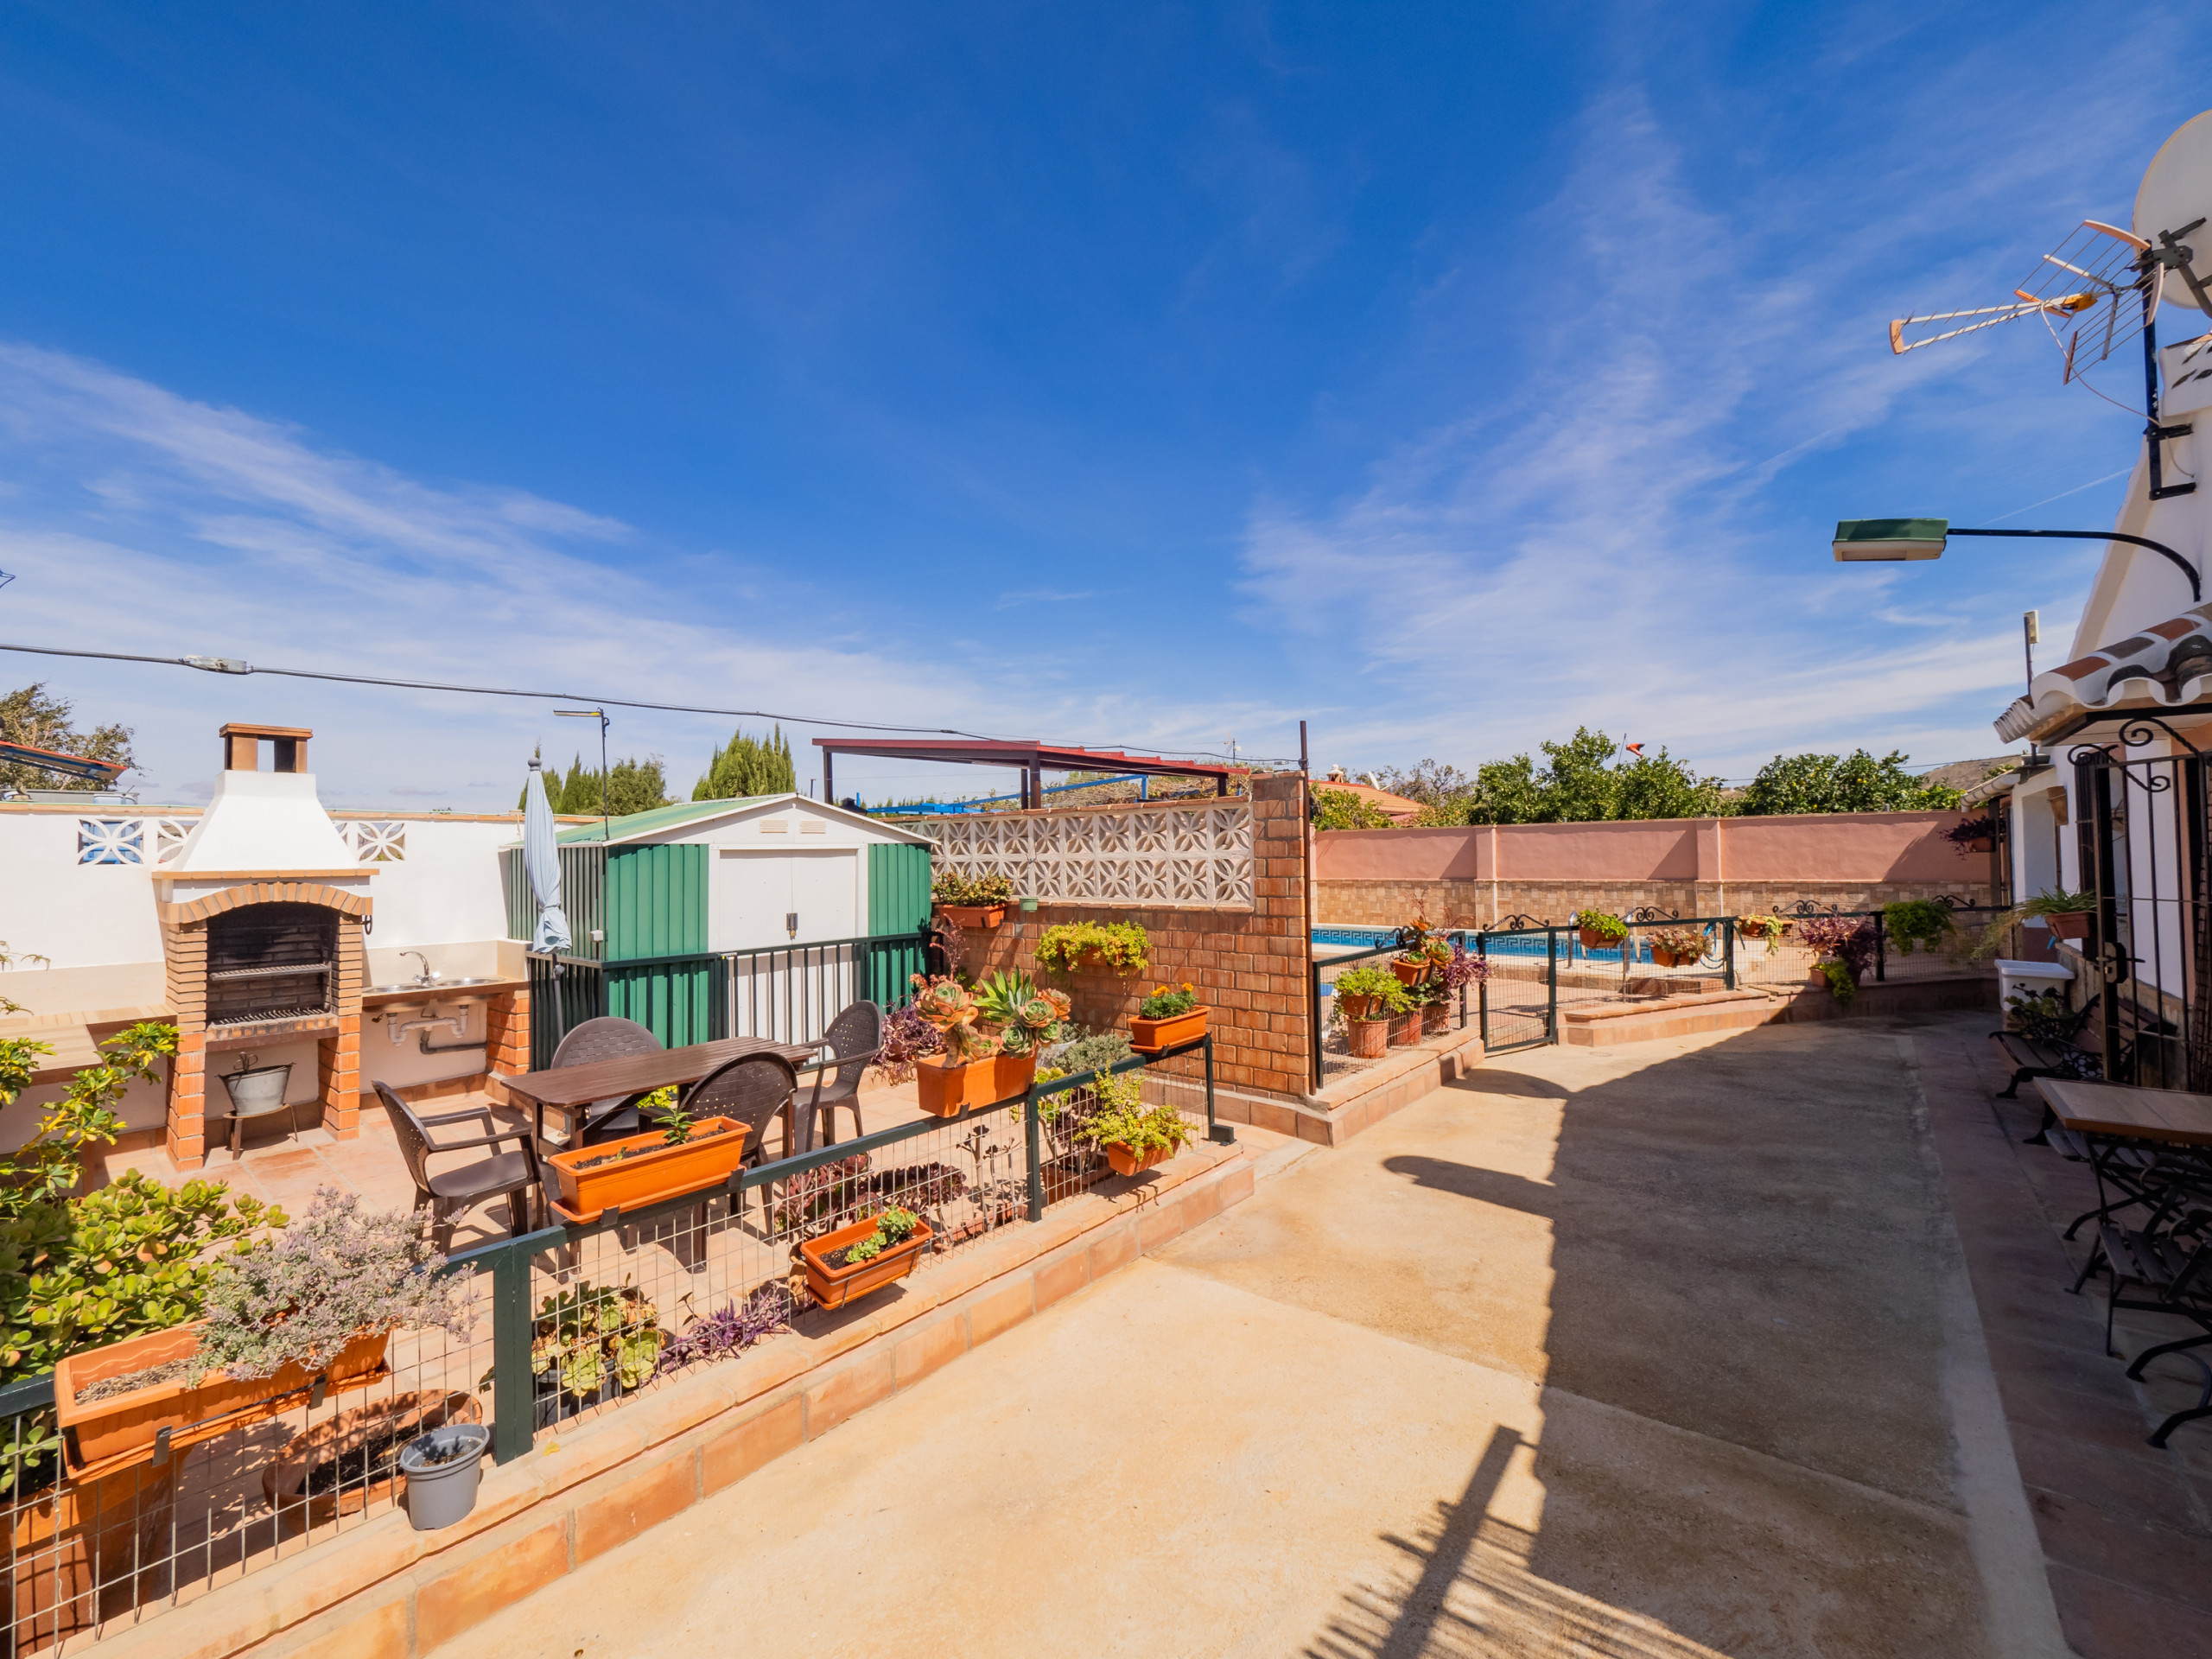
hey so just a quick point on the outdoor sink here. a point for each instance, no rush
(418, 988)
(447, 984)
(382, 990)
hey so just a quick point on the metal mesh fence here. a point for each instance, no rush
(108, 1525)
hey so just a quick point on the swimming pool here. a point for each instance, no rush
(1341, 940)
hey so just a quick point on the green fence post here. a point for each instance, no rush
(1551, 978)
(1728, 951)
(1220, 1133)
(1032, 1133)
(513, 1433)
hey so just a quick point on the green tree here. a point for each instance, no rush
(1853, 782)
(44, 722)
(1340, 808)
(1582, 781)
(746, 766)
(633, 785)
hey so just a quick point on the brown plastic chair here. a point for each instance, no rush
(609, 1037)
(854, 1039)
(448, 1193)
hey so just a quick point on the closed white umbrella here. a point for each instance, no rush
(540, 862)
(541, 859)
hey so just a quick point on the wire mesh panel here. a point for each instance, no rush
(1517, 1004)
(108, 1524)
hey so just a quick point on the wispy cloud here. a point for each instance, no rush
(1042, 596)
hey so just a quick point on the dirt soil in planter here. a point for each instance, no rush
(174, 1370)
(640, 1151)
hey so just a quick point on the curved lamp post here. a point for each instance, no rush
(1888, 540)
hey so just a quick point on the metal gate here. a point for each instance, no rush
(2142, 835)
(1519, 1002)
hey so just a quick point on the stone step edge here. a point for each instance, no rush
(1658, 1005)
(580, 1494)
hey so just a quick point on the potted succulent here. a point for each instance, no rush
(989, 1039)
(1134, 1137)
(1677, 947)
(972, 901)
(588, 1344)
(1421, 954)
(871, 1253)
(320, 1298)
(1973, 834)
(1600, 929)
(2066, 914)
(1172, 1014)
(1121, 947)
(341, 1466)
(685, 1155)
(1366, 998)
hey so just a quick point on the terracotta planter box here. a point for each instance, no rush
(122, 1428)
(1411, 973)
(1981, 844)
(1150, 1036)
(947, 1090)
(1404, 1029)
(1355, 1008)
(1593, 940)
(656, 1170)
(284, 1479)
(71, 1554)
(1126, 1162)
(835, 1286)
(1367, 1038)
(2069, 924)
(1435, 1019)
(974, 915)
(1675, 958)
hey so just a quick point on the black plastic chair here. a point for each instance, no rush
(854, 1039)
(609, 1037)
(447, 1194)
(755, 1091)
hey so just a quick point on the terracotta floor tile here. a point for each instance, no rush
(2138, 1483)
(2104, 1620)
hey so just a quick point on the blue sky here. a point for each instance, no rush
(1136, 375)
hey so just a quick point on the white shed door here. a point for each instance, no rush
(752, 893)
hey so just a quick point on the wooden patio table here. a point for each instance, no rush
(2167, 1115)
(569, 1089)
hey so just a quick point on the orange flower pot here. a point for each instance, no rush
(973, 915)
(1410, 973)
(653, 1171)
(1593, 940)
(2069, 924)
(121, 1428)
(833, 1287)
(1405, 1029)
(1150, 1036)
(947, 1089)
(1435, 1019)
(1126, 1162)
(1367, 1038)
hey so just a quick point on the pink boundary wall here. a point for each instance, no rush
(1827, 847)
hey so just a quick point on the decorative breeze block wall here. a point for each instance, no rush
(1164, 855)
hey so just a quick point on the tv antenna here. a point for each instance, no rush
(2100, 289)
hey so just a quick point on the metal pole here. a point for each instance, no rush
(1881, 950)
(1313, 1017)
(2196, 586)
(514, 1430)
(1728, 951)
(1032, 1130)
(1551, 973)
(1302, 765)
(1220, 1133)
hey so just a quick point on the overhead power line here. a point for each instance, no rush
(234, 665)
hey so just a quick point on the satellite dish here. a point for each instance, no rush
(2176, 202)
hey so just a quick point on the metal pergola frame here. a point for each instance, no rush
(1029, 756)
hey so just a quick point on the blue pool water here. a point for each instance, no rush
(1519, 944)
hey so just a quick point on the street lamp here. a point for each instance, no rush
(1888, 540)
(605, 828)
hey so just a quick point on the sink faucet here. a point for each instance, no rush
(426, 975)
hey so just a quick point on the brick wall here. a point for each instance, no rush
(1250, 965)
(1449, 903)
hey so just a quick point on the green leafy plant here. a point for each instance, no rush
(2052, 901)
(1345, 808)
(1093, 1051)
(1125, 947)
(1123, 1119)
(1376, 988)
(1842, 985)
(1678, 942)
(1910, 922)
(1761, 927)
(894, 1227)
(585, 1334)
(951, 887)
(1606, 926)
(1168, 1000)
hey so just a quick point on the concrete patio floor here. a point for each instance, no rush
(1644, 1353)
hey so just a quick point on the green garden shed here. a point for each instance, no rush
(758, 917)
